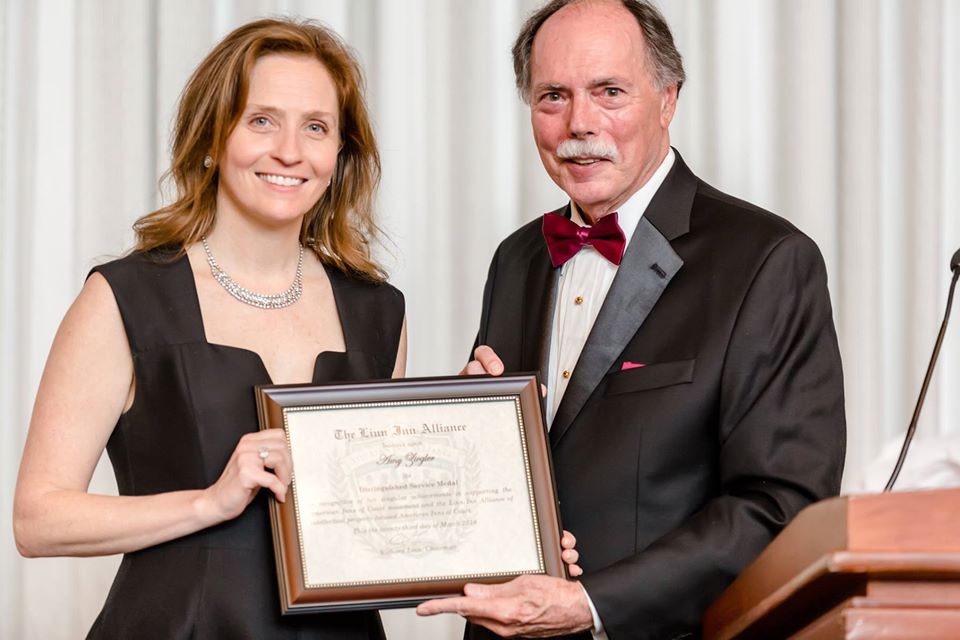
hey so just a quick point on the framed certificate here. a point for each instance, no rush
(405, 490)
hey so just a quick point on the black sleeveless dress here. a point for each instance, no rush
(193, 402)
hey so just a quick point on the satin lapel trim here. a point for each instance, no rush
(539, 295)
(635, 290)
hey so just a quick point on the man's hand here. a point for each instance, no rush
(570, 555)
(531, 606)
(485, 360)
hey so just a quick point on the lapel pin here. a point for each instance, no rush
(657, 269)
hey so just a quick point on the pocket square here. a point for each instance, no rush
(630, 365)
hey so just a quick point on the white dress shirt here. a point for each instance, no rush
(584, 282)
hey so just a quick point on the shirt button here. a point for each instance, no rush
(578, 300)
(566, 374)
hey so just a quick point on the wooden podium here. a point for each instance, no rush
(866, 566)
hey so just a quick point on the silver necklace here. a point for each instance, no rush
(259, 300)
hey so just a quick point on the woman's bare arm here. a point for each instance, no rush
(87, 383)
(400, 369)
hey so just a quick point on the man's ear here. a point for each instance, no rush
(668, 105)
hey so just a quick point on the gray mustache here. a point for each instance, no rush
(587, 148)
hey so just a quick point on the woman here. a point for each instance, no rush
(275, 166)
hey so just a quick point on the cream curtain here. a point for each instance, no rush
(841, 115)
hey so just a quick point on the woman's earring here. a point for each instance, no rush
(207, 161)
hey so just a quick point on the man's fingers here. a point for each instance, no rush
(473, 368)
(528, 606)
(468, 604)
(474, 590)
(485, 360)
(519, 586)
(498, 609)
(440, 605)
(570, 555)
(489, 359)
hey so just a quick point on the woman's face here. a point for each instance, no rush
(280, 157)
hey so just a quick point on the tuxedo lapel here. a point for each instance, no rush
(540, 290)
(647, 268)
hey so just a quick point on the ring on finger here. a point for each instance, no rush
(264, 453)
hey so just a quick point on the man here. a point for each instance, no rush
(695, 397)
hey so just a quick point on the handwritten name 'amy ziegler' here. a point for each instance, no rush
(367, 433)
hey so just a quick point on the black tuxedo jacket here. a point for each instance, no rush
(675, 475)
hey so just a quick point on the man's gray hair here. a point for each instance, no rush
(662, 54)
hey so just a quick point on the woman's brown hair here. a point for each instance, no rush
(340, 224)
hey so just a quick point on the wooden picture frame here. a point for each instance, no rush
(407, 489)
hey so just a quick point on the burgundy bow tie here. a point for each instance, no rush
(565, 238)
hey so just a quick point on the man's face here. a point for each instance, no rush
(599, 123)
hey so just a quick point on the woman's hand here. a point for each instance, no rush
(570, 555)
(260, 459)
